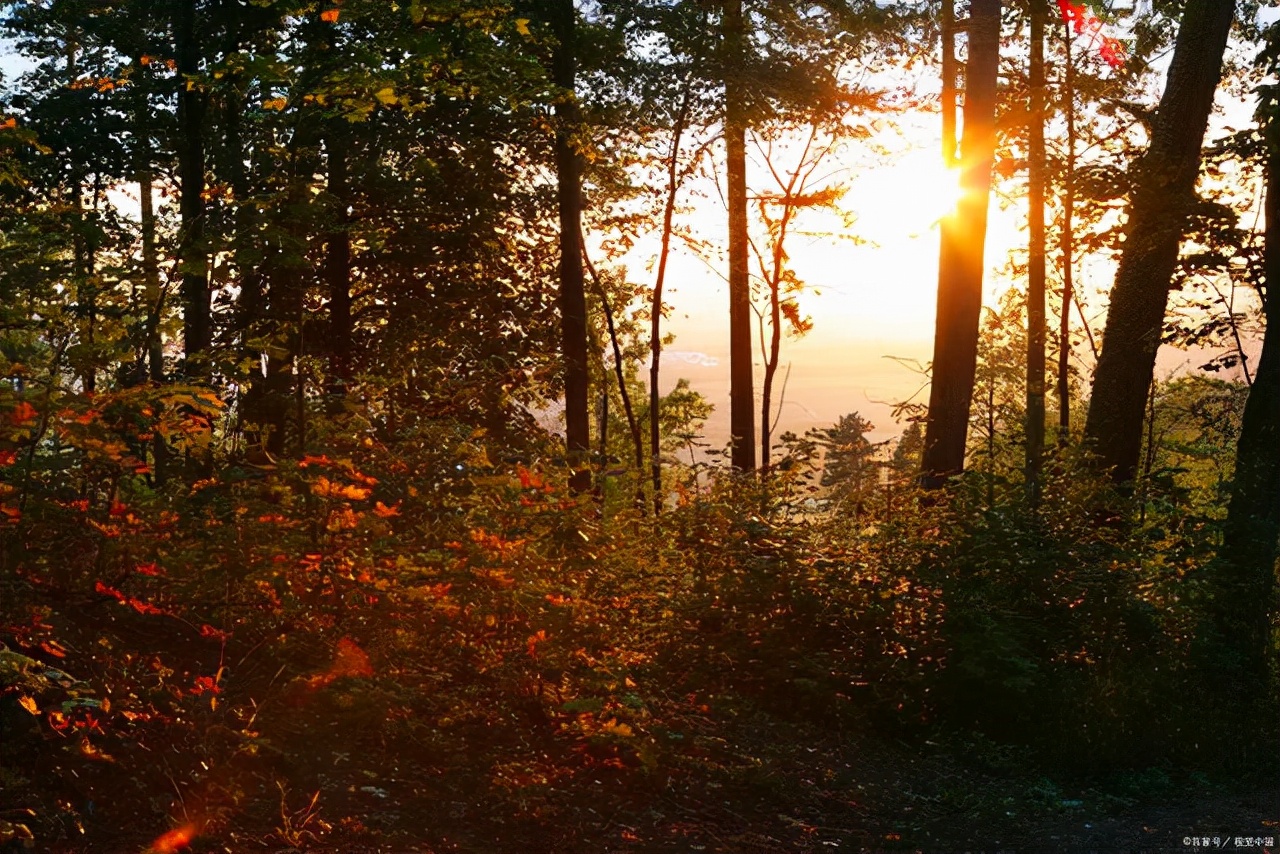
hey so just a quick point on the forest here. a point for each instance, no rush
(354, 497)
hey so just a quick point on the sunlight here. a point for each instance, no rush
(906, 199)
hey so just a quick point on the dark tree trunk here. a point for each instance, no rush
(741, 375)
(573, 301)
(1247, 579)
(1035, 257)
(283, 398)
(1067, 246)
(197, 323)
(1162, 196)
(961, 258)
(150, 270)
(337, 266)
(655, 318)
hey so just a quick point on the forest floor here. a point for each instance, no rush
(751, 783)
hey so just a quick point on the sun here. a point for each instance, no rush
(904, 199)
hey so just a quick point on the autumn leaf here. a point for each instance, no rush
(535, 639)
(383, 511)
(326, 488)
(329, 16)
(387, 96)
(29, 704)
(275, 104)
(522, 26)
(22, 413)
(615, 728)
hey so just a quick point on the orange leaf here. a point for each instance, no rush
(350, 660)
(386, 512)
(22, 413)
(329, 16)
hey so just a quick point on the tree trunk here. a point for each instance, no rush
(949, 84)
(655, 318)
(1035, 257)
(197, 322)
(337, 266)
(1162, 195)
(961, 258)
(1067, 245)
(1246, 580)
(573, 301)
(741, 375)
(150, 270)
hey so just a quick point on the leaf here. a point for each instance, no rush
(615, 728)
(29, 704)
(522, 26)
(387, 96)
(329, 16)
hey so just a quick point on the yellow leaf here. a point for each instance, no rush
(522, 26)
(274, 104)
(387, 96)
(615, 728)
(29, 704)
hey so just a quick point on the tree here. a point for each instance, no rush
(795, 192)
(192, 252)
(1163, 192)
(1246, 578)
(573, 301)
(850, 470)
(961, 257)
(741, 374)
(1036, 167)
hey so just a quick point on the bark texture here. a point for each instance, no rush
(1162, 195)
(741, 375)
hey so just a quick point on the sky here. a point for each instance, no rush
(872, 302)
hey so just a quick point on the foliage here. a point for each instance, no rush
(343, 575)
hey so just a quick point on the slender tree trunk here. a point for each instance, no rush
(196, 319)
(573, 301)
(655, 318)
(770, 368)
(284, 387)
(150, 270)
(1036, 257)
(796, 182)
(1067, 244)
(1162, 196)
(1246, 579)
(741, 375)
(337, 266)
(633, 424)
(961, 258)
